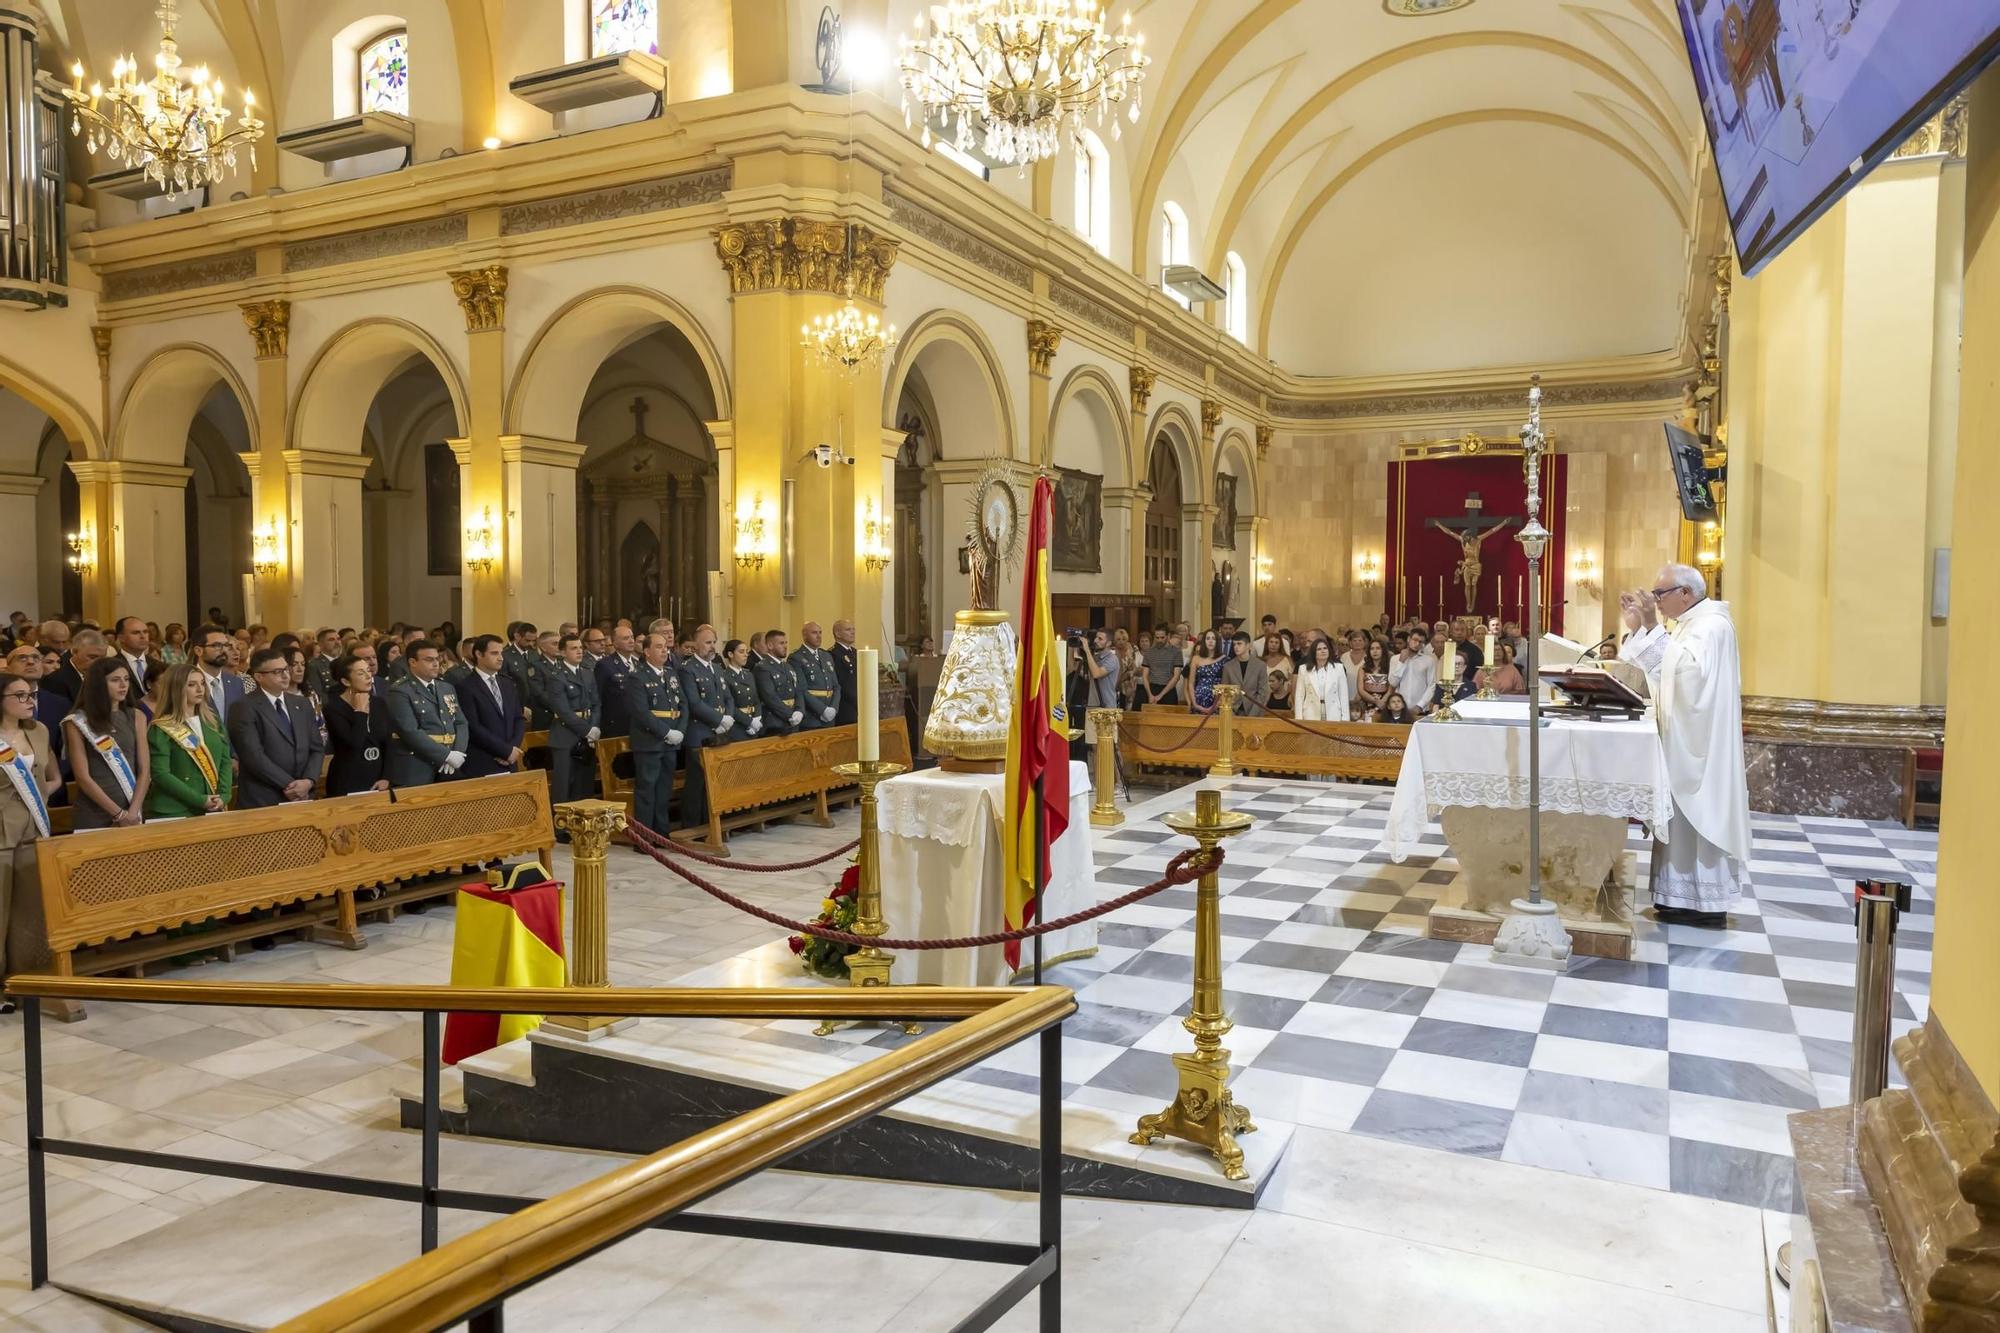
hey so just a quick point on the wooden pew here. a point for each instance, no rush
(1360, 750)
(752, 782)
(113, 891)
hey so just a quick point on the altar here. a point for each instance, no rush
(940, 848)
(1472, 776)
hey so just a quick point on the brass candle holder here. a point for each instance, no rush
(1104, 770)
(590, 825)
(1204, 1111)
(868, 965)
(1225, 732)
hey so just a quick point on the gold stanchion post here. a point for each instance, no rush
(868, 966)
(1104, 773)
(1205, 1112)
(1225, 732)
(590, 825)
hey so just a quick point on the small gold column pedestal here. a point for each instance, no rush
(1104, 772)
(1225, 732)
(868, 966)
(1204, 1111)
(590, 825)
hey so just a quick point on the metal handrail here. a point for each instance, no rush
(469, 1274)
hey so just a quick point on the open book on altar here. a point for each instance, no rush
(1560, 654)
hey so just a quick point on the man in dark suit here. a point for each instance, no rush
(711, 719)
(211, 645)
(85, 647)
(611, 673)
(778, 687)
(275, 737)
(51, 707)
(844, 664)
(492, 711)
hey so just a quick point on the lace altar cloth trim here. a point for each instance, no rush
(926, 808)
(1570, 796)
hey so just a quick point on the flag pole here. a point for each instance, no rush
(1040, 886)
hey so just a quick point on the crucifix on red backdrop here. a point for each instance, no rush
(1471, 533)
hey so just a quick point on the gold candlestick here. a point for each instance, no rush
(868, 965)
(1104, 805)
(1204, 1111)
(590, 825)
(1225, 732)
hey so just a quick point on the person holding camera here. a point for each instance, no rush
(1078, 688)
(1102, 659)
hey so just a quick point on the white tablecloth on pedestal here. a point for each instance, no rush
(1588, 768)
(941, 869)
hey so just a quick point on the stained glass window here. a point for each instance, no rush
(624, 25)
(385, 73)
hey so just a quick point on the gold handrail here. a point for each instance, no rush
(483, 1266)
(933, 1002)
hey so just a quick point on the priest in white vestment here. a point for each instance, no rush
(1700, 860)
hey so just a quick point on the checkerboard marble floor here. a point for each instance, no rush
(1675, 1070)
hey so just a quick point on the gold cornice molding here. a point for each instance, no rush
(802, 254)
(126, 472)
(270, 324)
(482, 295)
(326, 463)
(537, 449)
(14, 483)
(1814, 721)
(1943, 133)
(1044, 340)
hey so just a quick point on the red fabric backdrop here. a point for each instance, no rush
(1418, 556)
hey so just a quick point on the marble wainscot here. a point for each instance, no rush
(1847, 761)
(656, 1081)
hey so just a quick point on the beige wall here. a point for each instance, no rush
(1328, 506)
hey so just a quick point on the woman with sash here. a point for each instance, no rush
(31, 776)
(189, 749)
(107, 745)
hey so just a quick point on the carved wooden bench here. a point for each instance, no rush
(107, 895)
(755, 781)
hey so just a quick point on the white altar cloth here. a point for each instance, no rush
(1588, 768)
(941, 868)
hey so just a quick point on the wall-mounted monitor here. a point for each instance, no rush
(1684, 450)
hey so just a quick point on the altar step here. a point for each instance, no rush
(657, 1081)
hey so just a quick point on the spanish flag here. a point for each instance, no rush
(507, 935)
(1037, 734)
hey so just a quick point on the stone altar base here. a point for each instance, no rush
(1584, 872)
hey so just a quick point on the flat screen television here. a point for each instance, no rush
(1684, 448)
(1803, 97)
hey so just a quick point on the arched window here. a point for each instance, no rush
(1093, 192)
(1236, 305)
(1173, 244)
(624, 25)
(384, 73)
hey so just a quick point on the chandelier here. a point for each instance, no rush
(173, 127)
(848, 338)
(1019, 72)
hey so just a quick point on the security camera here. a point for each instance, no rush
(826, 456)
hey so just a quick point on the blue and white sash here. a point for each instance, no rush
(22, 774)
(107, 749)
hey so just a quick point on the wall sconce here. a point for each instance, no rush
(1368, 572)
(1264, 572)
(1708, 553)
(82, 549)
(1583, 572)
(482, 548)
(264, 549)
(876, 550)
(750, 536)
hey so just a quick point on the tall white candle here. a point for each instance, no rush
(868, 708)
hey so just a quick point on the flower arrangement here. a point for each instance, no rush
(824, 958)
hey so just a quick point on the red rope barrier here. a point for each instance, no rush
(765, 868)
(1336, 736)
(1185, 868)
(1137, 744)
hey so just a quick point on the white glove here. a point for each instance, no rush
(756, 725)
(728, 721)
(454, 761)
(797, 716)
(673, 738)
(590, 737)
(826, 715)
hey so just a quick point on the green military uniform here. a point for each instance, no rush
(429, 724)
(819, 685)
(778, 691)
(658, 714)
(569, 701)
(534, 677)
(744, 706)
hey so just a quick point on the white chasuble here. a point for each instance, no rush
(1700, 859)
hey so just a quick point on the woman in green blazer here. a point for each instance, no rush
(190, 749)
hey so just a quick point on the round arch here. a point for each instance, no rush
(69, 417)
(1235, 446)
(1175, 424)
(966, 382)
(339, 387)
(160, 403)
(556, 370)
(1087, 383)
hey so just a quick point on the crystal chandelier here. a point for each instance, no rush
(173, 127)
(1019, 72)
(848, 338)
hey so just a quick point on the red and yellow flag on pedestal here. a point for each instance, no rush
(503, 937)
(1037, 734)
